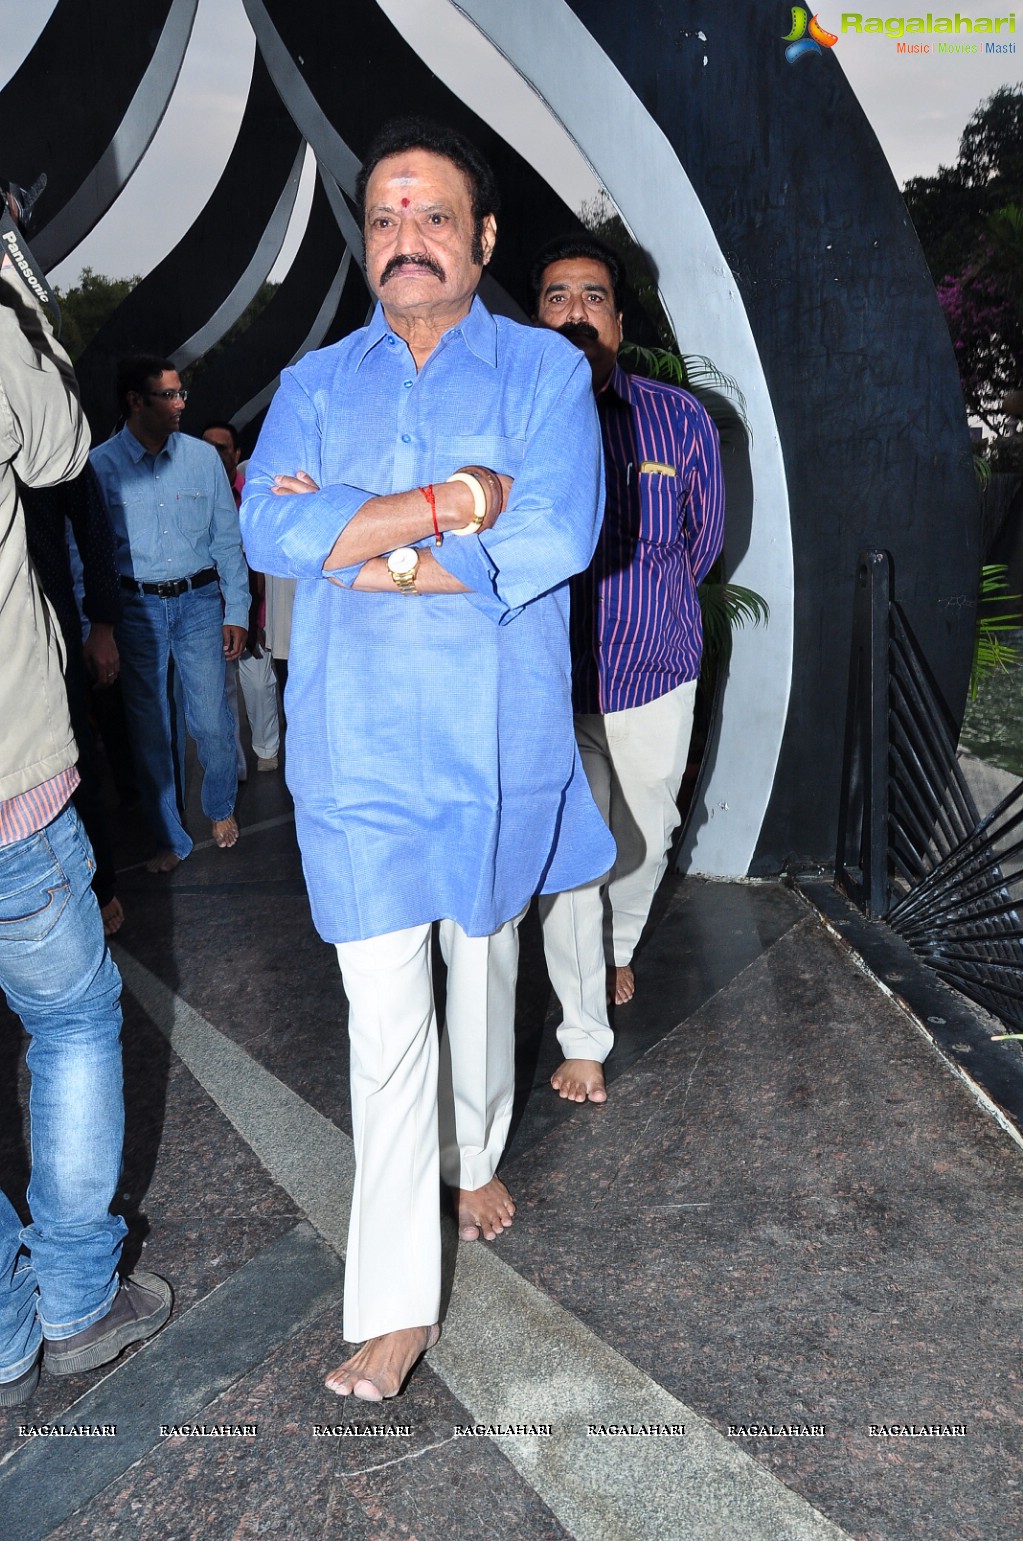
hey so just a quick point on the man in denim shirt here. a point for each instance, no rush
(186, 597)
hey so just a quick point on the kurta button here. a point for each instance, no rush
(406, 438)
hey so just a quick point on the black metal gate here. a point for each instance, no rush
(912, 849)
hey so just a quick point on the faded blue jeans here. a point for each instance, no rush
(59, 1274)
(189, 629)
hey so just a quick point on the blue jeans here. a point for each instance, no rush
(58, 975)
(189, 630)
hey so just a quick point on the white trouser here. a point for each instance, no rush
(259, 690)
(573, 944)
(634, 762)
(410, 1126)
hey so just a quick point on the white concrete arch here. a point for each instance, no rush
(632, 158)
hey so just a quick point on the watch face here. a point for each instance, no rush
(404, 560)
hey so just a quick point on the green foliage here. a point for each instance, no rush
(87, 307)
(990, 652)
(718, 393)
(1006, 455)
(1003, 259)
(947, 216)
(255, 307)
(949, 209)
(725, 607)
(991, 147)
(968, 219)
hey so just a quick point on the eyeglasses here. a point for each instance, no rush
(169, 395)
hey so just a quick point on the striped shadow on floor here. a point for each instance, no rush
(508, 1347)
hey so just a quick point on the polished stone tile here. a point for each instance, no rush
(288, 1480)
(198, 1202)
(789, 1211)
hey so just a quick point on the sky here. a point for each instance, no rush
(918, 106)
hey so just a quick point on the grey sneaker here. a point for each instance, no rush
(140, 1308)
(14, 1392)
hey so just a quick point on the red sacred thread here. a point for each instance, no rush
(431, 498)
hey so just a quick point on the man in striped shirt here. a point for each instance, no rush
(636, 641)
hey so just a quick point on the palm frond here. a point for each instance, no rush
(990, 652)
(695, 373)
(725, 607)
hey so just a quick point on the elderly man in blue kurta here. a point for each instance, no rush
(432, 481)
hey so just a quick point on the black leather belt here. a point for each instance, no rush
(172, 589)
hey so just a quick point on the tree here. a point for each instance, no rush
(87, 306)
(991, 147)
(987, 339)
(970, 226)
(950, 208)
(260, 300)
(947, 215)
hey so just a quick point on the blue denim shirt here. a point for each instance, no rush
(174, 514)
(430, 745)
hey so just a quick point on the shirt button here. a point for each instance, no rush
(407, 384)
(406, 438)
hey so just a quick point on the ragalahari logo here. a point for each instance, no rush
(807, 36)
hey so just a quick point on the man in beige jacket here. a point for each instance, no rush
(61, 1299)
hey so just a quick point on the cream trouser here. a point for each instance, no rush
(634, 761)
(259, 689)
(421, 1111)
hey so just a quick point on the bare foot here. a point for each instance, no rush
(580, 1080)
(488, 1210)
(225, 832)
(113, 917)
(163, 861)
(381, 1367)
(621, 985)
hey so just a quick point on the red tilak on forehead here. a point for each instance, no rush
(404, 203)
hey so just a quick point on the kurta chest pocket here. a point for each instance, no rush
(499, 452)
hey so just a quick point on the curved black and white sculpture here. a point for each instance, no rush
(783, 249)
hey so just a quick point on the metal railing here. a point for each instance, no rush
(912, 848)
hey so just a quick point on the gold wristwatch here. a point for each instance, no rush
(403, 565)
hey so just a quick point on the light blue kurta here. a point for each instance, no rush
(430, 748)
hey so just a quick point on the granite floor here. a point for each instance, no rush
(790, 1226)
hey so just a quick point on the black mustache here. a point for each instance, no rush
(579, 331)
(407, 260)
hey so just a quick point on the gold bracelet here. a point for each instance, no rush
(479, 502)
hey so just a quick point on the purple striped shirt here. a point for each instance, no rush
(29, 812)
(636, 628)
